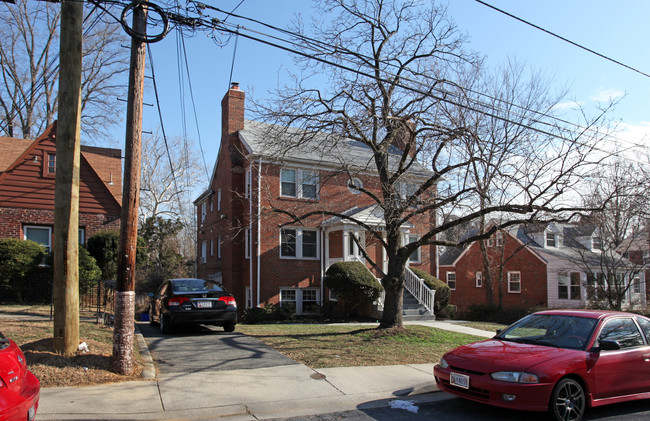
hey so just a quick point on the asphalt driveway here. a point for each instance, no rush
(208, 348)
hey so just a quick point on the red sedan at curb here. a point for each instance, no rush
(19, 388)
(560, 361)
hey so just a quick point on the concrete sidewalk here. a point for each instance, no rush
(254, 394)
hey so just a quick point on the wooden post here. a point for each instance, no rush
(66, 201)
(123, 333)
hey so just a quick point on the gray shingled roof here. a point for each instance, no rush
(314, 148)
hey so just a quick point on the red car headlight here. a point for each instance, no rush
(515, 377)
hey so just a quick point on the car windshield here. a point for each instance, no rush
(551, 330)
(195, 285)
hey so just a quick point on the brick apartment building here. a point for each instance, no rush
(248, 249)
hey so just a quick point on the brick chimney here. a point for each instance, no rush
(232, 110)
(403, 137)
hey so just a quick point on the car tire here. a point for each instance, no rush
(165, 325)
(229, 327)
(568, 401)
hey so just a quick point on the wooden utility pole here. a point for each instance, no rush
(123, 333)
(66, 196)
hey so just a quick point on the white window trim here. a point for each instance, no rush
(204, 211)
(299, 245)
(299, 298)
(555, 241)
(510, 291)
(204, 250)
(299, 183)
(455, 280)
(43, 227)
(479, 279)
(499, 239)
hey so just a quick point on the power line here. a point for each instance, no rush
(563, 38)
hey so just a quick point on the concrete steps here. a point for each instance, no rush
(412, 310)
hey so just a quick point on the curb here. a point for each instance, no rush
(149, 371)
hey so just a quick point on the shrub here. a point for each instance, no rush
(494, 314)
(353, 283)
(443, 292)
(268, 313)
(17, 259)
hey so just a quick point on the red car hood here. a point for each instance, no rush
(494, 355)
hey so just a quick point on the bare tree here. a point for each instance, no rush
(170, 172)
(30, 69)
(390, 87)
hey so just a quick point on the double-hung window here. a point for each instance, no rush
(569, 286)
(551, 240)
(451, 280)
(514, 282)
(300, 300)
(415, 257)
(298, 183)
(299, 243)
(479, 279)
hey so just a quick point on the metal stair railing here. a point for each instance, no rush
(419, 290)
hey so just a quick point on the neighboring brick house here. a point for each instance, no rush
(637, 250)
(241, 244)
(27, 171)
(539, 265)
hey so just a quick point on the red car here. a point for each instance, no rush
(560, 361)
(19, 388)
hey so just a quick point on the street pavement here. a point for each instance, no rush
(281, 390)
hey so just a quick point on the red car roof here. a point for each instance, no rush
(593, 314)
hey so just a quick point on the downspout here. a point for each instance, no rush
(259, 234)
(250, 229)
(322, 266)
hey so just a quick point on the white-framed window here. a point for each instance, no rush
(596, 243)
(499, 239)
(479, 279)
(333, 296)
(219, 199)
(301, 300)
(247, 187)
(354, 185)
(298, 183)
(204, 249)
(247, 244)
(298, 243)
(39, 234)
(249, 298)
(211, 204)
(551, 239)
(568, 287)
(219, 242)
(514, 282)
(82, 236)
(354, 249)
(636, 284)
(415, 257)
(489, 242)
(204, 212)
(451, 280)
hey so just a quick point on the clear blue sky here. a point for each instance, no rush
(619, 30)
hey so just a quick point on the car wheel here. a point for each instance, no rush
(165, 326)
(229, 327)
(567, 401)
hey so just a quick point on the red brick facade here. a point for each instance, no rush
(509, 258)
(231, 211)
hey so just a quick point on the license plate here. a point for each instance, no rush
(459, 380)
(204, 304)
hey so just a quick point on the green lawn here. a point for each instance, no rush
(320, 346)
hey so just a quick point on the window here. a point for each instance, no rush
(40, 235)
(51, 164)
(596, 243)
(298, 183)
(204, 212)
(479, 279)
(623, 331)
(299, 243)
(499, 239)
(551, 240)
(82, 236)
(569, 286)
(353, 248)
(489, 242)
(646, 257)
(204, 249)
(301, 300)
(636, 284)
(211, 204)
(645, 326)
(219, 199)
(514, 282)
(354, 185)
(415, 256)
(219, 241)
(211, 247)
(451, 280)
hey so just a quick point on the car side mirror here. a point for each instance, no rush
(499, 331)
(607, 345)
